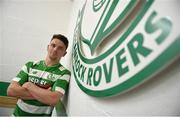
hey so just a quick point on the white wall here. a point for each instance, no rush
(27, 27)
(158, 96)
(0, 36)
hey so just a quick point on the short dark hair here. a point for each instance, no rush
(62, 38)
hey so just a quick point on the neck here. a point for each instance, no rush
(50, 62)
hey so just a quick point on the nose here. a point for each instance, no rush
(55, 49)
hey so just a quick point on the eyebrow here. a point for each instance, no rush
(56, 45)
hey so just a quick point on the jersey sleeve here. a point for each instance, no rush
(62, 83)
(22, 76)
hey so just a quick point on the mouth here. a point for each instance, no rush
(54, 53)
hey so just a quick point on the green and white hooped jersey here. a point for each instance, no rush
(55, 76)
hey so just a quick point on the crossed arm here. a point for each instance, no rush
(30, 91)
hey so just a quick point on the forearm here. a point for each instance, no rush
(43, 95)
(15, 90)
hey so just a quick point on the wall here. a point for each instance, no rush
(26, 27)
(158, 97)
(0, 35)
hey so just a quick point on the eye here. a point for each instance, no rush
(53, 45)
(60, 48)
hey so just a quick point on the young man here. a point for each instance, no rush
(40, 85)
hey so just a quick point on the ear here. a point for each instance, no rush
(47, 47)
(65, 53)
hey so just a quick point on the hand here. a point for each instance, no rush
(27, 85)
(49, 89)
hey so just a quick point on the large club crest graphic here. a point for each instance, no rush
(109, 15)
(110, 54)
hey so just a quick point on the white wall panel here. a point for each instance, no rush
(157, 97)
(28, 26)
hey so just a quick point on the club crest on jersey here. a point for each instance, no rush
(51, 76)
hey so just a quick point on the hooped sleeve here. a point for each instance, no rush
(62, 83)
(22, 76)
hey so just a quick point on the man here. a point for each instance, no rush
(40, 85)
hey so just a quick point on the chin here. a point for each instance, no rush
(53, 58)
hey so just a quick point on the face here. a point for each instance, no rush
(56, 49)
